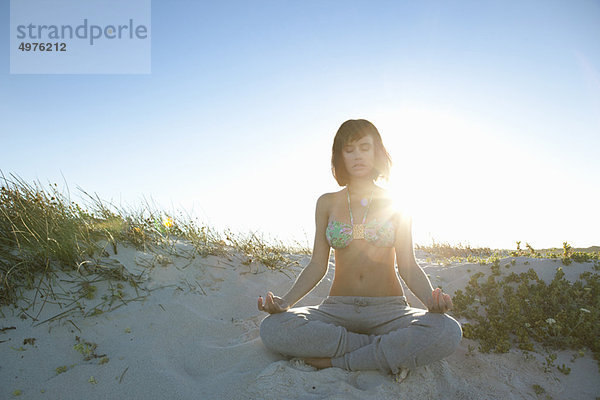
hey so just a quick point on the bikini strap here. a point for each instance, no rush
(350, 208)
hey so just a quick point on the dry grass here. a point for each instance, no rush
(42, 231)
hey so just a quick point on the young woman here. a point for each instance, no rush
(365, 322)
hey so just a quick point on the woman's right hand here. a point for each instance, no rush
(273, 304)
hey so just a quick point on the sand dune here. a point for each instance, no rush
(193, 334)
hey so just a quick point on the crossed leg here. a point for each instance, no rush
(387, 338)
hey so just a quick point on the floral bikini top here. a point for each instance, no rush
(340, 234)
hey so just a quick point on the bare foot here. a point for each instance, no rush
(401, 375)
(319, 363)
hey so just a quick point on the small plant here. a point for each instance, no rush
(88, 290)
(87, 349)
(577, 355)
(495, 269)
(538, 389)
(549, 362)
(564, 369)
(61, 369)
(566, 257)
(519, 251)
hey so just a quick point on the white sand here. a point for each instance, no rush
(195, 336)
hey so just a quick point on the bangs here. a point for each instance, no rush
(354, 136)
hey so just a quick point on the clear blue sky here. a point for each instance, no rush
(490, 110)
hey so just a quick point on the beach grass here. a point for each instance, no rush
(43, 231)
(446, 253)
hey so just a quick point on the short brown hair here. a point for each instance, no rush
(349, 131)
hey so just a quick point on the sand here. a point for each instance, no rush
(194, 334)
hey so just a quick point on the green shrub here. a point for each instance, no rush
(519, 309)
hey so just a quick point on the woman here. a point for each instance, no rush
(365, 322)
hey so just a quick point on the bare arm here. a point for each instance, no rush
(312, 274)
(412, 273)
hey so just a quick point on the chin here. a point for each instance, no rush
(362, 173)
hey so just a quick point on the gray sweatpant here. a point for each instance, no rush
(361, 333)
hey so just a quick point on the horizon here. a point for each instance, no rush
(491, 113)
(183, 216)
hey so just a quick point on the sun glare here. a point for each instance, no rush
(437, 157)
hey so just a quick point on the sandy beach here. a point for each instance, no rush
(191, 331)
(165, 163)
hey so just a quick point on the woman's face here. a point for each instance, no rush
(359, 157)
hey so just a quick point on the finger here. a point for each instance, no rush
(448, 301)
(436, 299)
(430, 303)
(443, 305)
(271, 302)
(260, 304)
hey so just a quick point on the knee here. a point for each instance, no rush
(446, 328)
(452, 332)
(271, 331)
(449, 335)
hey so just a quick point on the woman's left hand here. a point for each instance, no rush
(439, 302)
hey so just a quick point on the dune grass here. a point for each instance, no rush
(43, 231)
(446, 253)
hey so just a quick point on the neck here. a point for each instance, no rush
(361, 187)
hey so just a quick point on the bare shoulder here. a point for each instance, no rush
(323, 206)
(326, 199)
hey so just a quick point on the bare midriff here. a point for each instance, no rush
(364, 270)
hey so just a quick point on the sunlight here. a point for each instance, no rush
(438, 159)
